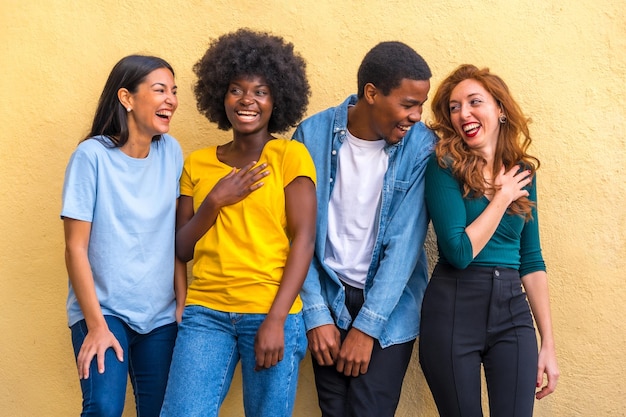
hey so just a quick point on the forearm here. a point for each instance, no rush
(536, 286)
(294, 274)
(481, 230)
(81, 278)
(180, 281)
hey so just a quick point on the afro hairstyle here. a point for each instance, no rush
(245, 53)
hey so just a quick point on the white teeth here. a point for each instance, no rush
(246, 113)
(404, 128)
(470, 126)
(165, 113)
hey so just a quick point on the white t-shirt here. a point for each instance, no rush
(131, 204)
(354, 208)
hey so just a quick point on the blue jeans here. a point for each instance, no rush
(147, 360)
(209, 345)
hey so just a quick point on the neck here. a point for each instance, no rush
(358, 122)
(250, 142)
(137, 148)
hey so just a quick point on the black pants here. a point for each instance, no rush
(474, 316)
(375, 393)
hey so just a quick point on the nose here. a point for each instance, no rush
(416, 115)
(172, 99)
(465, 111)
(247, 97)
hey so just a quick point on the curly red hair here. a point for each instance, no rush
(513, 139)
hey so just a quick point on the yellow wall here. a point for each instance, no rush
(564, 61)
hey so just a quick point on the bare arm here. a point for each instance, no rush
(99, 338)
(301, 206)
(180, 275)
(536, 286)
(180, 287)
(234, 187)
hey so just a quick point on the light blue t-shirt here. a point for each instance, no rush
(131, 204)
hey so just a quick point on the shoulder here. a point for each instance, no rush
(328, 116)
(169, 148)
(320, 119)
(95, 145)
(92, 150)
(203, 154)
(435, 164)
(286, 148)
(169, 141)
(420, 137)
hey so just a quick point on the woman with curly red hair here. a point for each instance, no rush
(481, 195)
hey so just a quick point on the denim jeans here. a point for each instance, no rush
(147, 360)
(208, 347)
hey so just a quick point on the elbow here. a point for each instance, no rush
(460, 259)
(181, 257)
(184, 256)
(183, 253)
(460, 263)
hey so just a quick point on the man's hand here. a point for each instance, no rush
(324, 343)
(355, 353)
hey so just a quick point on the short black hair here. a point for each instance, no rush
(388, 63)
(248, 53)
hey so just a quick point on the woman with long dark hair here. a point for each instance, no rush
(119, 206)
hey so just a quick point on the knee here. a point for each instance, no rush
(103, 406)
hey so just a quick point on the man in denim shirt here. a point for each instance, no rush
(364, 288)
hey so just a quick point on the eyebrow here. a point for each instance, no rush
(415, 101)
(468, 96)
(163, 85)
(237, 83)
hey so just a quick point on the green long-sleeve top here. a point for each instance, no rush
(515, 243)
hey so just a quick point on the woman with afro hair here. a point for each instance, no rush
(246, 217)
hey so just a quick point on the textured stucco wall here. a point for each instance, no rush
(564, 61)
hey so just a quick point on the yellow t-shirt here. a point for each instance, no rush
(238, 264)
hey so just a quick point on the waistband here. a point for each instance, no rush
(474, 272)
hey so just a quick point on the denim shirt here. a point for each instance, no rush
(398, 273)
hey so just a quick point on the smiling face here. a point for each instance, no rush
(394, 114)
(474, 114)
(249, 104)
(153, 104)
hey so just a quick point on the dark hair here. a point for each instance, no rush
(513, 138)
(111, 118)
(387, 64)
(247, 53)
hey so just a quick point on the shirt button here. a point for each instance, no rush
(343, 132)
(497, 273)
(331, 180)
(334, 152)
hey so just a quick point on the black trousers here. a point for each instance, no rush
(471, 317)
(373, 394)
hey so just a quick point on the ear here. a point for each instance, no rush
(369, 93)
(124, 96)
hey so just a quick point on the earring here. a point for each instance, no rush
(502, 118)
(128, 109)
